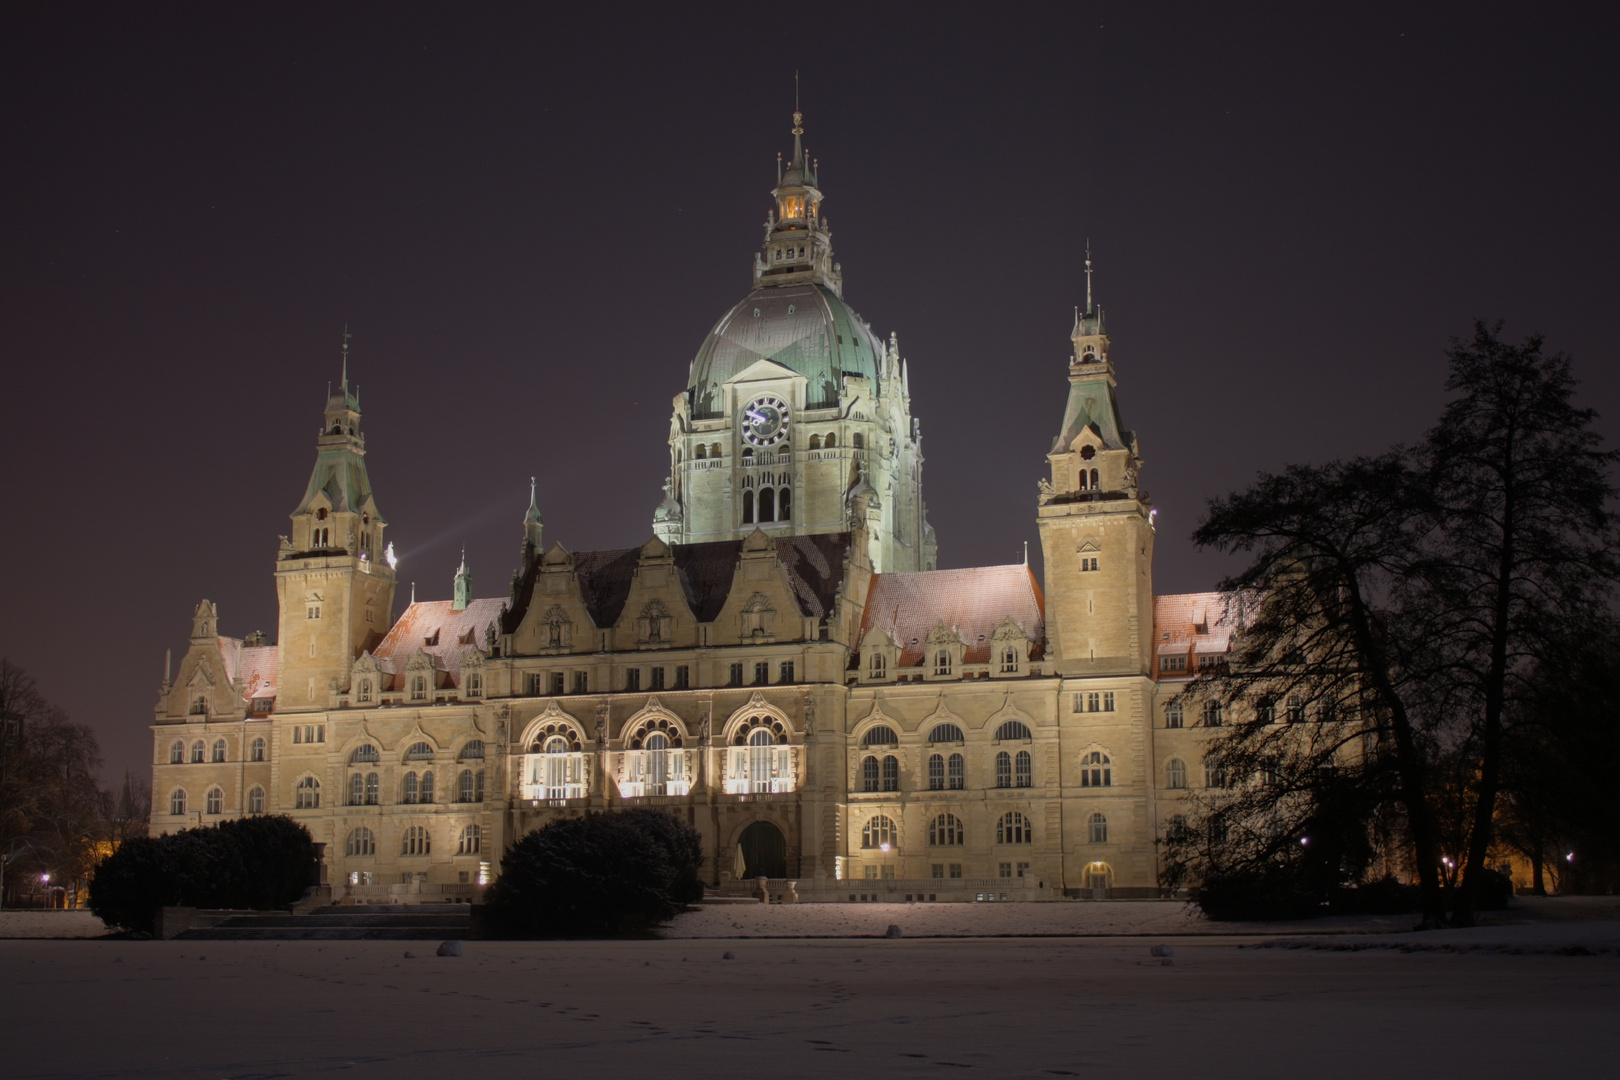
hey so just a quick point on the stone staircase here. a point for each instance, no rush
(372, 922)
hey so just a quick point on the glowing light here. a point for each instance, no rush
(1570, 857)
(1304, 840)
(885, 848)
(389, 557)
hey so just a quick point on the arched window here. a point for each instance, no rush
(256, 751)
(365, 752)
(1099, 829)
(859, 442)
(357, 789)
(761, 752)
(701, 452)
(657, 762)
(371, 789)
(1175, 773)
(878, 831)
(198, 750)
(415, 841)
(427, 786)
(1214, 775)
(1012, 730)
(475, 685)
(714, 450)
(1212, 714)
(464, 786)
(815, 442)
(1004, 777)
(478, 785)
(936, 772)
(470, 842)
(199, 705)
(362, 842)
(1096, 770)
(472, 750)
(784, 504)
(411, 791)
(945, 831)
(956, 771)
(880, 736)
(363, 692)
(1013, 828)
(1094, 483)
(1296, 709)
(1085, 484)
(219, 750)
(1172, 715)
(946, 733)
(177, 754)
(891, 773)
(877, 666)
(1009, 660)
(255, 800)
(942, 662)
(307, 796)
(177, 802)
(420, 751)
(1177, 828)
(767, 504)
(418, 688)
(869, 773)
(747, 507)
(214, 801)
(831, 440)
(1023, 770)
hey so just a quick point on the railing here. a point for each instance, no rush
(761, 770)
(639, 773)
(555, 776)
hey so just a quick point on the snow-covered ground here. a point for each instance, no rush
(1008, 1007)
(50, 924)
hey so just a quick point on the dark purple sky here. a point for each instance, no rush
(530, 217)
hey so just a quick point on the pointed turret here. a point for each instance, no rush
(798, 243)
(533, 529)
(463, 585)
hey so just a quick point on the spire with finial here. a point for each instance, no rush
(462, 594)
(1088, 275)
(346, 336)
(532, 529)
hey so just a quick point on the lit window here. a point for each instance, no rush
(878, 831)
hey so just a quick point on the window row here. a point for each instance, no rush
(416, 788)
(1215, 776)
(767, 505)
(1213, 713)
(950, 773)
(946, 830)
(415, 840)
(201, 752)
(883, 735)
(214, 801)
(370, 753)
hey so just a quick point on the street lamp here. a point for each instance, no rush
(885, 848)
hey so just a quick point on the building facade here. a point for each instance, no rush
(781, 663)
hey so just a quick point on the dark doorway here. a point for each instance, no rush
(764, 850)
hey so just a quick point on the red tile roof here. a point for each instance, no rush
(258, 668)
(973, 601)
(450, 632)
(1191, 623)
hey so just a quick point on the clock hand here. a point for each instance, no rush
(755, 416)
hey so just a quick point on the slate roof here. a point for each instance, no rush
(436, 621)
(973, 601)
(814, 567)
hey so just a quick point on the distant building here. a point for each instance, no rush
(780, 663)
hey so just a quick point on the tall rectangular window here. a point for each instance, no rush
(531, 684)
(1108, 701)
(938, 869)
(1093, 702)
(1023, 869)
(582, 682)
(736, 675)
(555, 678)
(632, 679)
(1005, 869)
(956, 869)
(656, 681)
(762, 673)
(785, 673)
(683, 677)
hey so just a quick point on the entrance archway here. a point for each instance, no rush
(764, 850)
(1099, 878)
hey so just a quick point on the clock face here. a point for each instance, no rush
(765, 421)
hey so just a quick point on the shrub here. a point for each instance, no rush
(258, 862)
(1254, 895)
(596, 876)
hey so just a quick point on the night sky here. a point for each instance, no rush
(529, 218)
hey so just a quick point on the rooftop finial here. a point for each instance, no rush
(346, 336)
(1088, 275)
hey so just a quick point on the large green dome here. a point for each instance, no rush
(806, 328)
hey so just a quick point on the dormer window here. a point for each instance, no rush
(942, 662)
(878, 666)
(791, 207)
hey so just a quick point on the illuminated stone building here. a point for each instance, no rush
(780, 663)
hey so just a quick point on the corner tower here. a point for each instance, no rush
(336, 593)
(1095, 523)
(794, 402)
